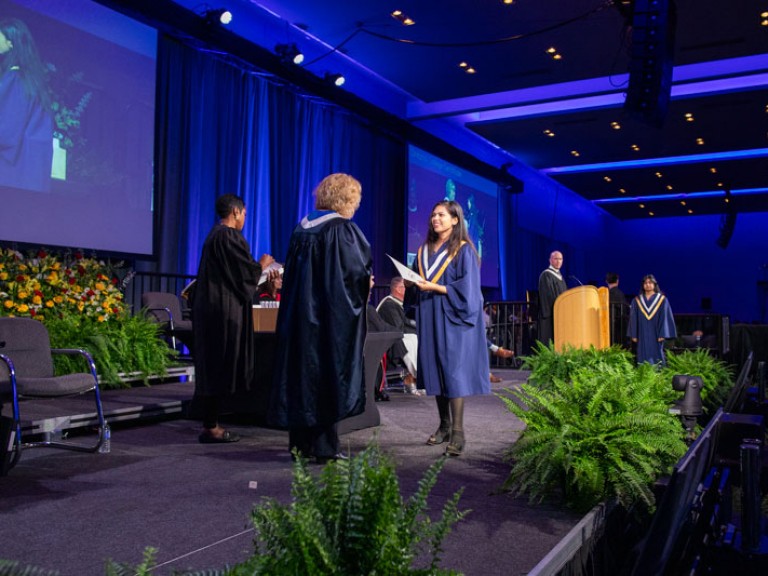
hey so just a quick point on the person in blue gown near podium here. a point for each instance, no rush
(453, 350)
(651, 322)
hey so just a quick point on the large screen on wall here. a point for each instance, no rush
(430, 180)
(76, 126)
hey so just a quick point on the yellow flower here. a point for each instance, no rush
(100, 318)
(58, 299)
(23, 308)
(80, 305)
(22, 295)
(3, 275)
(100, 286)
(8, 304)
(49, 303)
(36, 299)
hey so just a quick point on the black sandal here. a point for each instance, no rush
(456, 445)
(442, 435)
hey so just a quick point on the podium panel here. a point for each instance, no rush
(582, 318)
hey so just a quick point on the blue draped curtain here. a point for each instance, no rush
(223, 128)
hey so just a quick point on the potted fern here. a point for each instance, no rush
(599, 430)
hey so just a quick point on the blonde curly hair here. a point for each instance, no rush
(338, 192)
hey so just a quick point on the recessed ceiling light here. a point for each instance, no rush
(509, 1)
(682, 202)
(402, 18)
(551, 50)
(463, 65)
(700, 141)
(669, 186)
(557, 56)
(688, 117)
(651, 214)
(622, 190)
(713, 170)
(549, 133)
(690, 211)
(635, 147)
(575, 153)
(642, 205)
(615, 125)
(607, 178)
(658, 175)
(719, 184)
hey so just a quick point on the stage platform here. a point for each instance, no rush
(159, 487)
(164, 397)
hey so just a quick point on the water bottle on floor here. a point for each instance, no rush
(105, 444)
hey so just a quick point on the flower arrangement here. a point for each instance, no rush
(80, 301)
(44, 285)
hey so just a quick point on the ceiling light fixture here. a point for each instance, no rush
(402, 18)
(289, 53)
(549, 133)
(219, 16)
(615, 125)
(335, 79)
(688, 117)
(700, 141)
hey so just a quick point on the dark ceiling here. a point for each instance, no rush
(713, 161)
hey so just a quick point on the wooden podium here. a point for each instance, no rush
(582, 318)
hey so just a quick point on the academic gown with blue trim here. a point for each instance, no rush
(651, 319)
(321, 325)
(453, 350)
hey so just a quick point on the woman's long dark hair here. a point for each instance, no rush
(23, 57)
(652, 278)
(459, 233)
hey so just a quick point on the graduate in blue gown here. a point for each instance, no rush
(651, 322)
(453, 350)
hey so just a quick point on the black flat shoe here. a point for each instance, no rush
(326, 459)
(226, 438)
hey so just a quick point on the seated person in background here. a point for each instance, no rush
(392, 312)
(499, 352)
(270, 290)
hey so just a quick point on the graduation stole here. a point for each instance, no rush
(423, 259)
(649, 310)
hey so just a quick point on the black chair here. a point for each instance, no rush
(166, 309)
(26, 371)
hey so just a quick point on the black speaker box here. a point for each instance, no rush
(651, 60)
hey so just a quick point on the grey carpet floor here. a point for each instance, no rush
(159, 487)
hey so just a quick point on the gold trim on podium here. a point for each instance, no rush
(582, 318)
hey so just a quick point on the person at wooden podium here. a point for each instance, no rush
(222, 318)
(321, 327)
(551, 285)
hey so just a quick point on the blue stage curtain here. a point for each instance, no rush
(222, 128)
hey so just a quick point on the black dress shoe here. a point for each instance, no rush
(226, 438)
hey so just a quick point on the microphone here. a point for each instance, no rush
(572, 277)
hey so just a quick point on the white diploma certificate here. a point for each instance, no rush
(405, 272)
